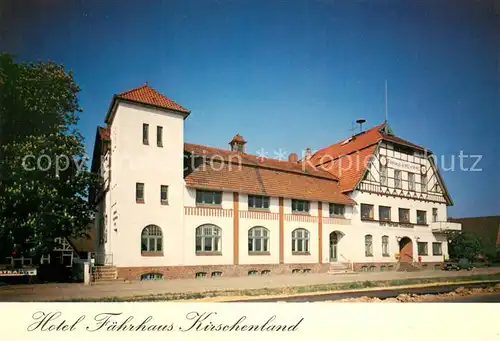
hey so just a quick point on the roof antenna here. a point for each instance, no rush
(360, 122)
(386, 106)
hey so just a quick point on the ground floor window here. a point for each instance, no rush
(258, 239)
(208, 238)
(422, 248)
(151, 239)
(300, 241)
(437, 249)
(385, 246)
(368, 245)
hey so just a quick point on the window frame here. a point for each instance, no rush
(303, 240)
(263, 199)
(426, 248)
(145, 134)
(435, 215)
(385, 246)
(440, 248)
(424, 216)
(159, 136)
(331, 210)
(215, 238)
(306, 204)
(372, 210)
(423, 183)
(411, 181)
(398, 179)
(380, 210)
(262, 238)
(200, 194)
(368, 245)
(383, 175)
(140, 199)
(164, 201)
(152, 234)
(399, 215)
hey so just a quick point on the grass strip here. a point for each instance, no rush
(287, 290)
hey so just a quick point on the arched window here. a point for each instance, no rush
(368, 245)
(208, 238)
(300, 241)
(258, 239)
(151, 239)
(385, 246)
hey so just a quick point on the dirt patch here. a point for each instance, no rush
(459, 292)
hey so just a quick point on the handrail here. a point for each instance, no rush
(351, 264)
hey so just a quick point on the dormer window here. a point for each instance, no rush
(238, 144)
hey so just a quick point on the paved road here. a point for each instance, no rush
(62, 291)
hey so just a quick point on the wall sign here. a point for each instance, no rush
(403, 165)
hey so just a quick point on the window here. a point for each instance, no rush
(385, 246)
(404, 215)
(208, 238)
(164, 194)
(145, 133)
(421, 217)
(159, 136)
(383, 175)
(434, 215)
(368, 245)
(151, 239)
(258, 239)
(300, 241)
(258, 202)
(300, 206)
(411, 181)
(367, 211)
(422, 248)
(437, 249)
(384, 213)
(423, 183)
(151, 276)
(397, 179)
(337, 210)
(208, 197)
(139, 192)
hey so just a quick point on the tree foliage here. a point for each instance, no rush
(463, 244)
(44, 181)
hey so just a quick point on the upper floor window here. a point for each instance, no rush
(397, 179)
(383, 175)
(421, 217)
(258, 201)
(139, 192)
(423, 183)
(411, 181)
(208, 197)
(384, 213)
(367, 211)
(404, 215)
(208, 238)
(368, 245)
(422, 248)
(164, 194)
(434, 215)
(300, 206)
(151, 239)
(258, 239)
(337, 210)
(159, 136)
(300, 241)
(145, 133)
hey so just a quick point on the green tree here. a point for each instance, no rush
(44, 181)
(463, 244)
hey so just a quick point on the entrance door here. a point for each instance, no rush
(333, 247)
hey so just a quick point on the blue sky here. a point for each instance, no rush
(290, 74)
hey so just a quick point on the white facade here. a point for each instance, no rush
(129, 161)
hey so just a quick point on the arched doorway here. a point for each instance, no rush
(334, 254)
(406, 250)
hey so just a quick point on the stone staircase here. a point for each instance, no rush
(340, 269)
(104, 273)
(407, 267)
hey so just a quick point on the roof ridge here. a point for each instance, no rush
(134, 89)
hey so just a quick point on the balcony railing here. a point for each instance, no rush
(443, 226)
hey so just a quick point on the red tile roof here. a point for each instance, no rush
(238, 138)
(246, 173)
(147, 95)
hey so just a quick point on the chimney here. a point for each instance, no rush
(308, 153)
(293, 157)
(237, 144)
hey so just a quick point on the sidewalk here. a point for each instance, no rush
(66, 291)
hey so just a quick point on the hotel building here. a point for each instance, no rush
(172, 209)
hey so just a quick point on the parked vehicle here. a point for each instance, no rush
(461, 264)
